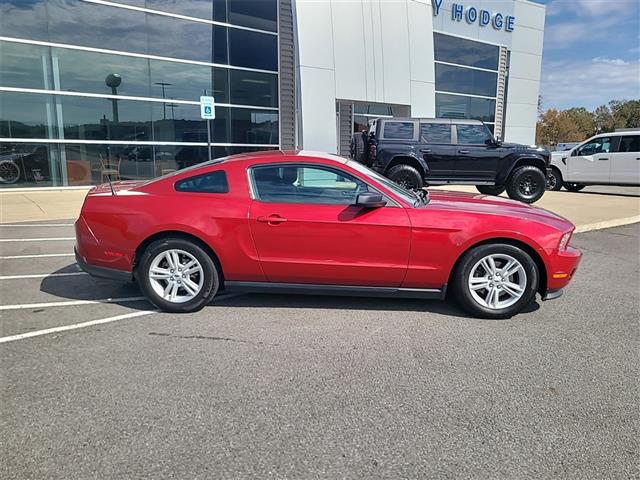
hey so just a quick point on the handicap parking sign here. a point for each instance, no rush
(207, 110)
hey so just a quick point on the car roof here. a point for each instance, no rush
(618, 133)
(461, 121)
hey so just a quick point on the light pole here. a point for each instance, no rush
(164, 105)
(113, 81)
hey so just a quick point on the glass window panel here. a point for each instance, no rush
(629, 143)
(459, 106)
(360, 123)
(254, 88)
(87, 72)
(26, 164)
(93, 119)
(188, 82)
(219, 152)
(465, 80)
(213, 182)
(598, 145)
(262, 14)
(254, 126)
(473, 134)
(253, 49)
(24, 19)
(182, 123)
(439, 133)
(23, 65)
(398, 130)
(26, 115)
(461, 51)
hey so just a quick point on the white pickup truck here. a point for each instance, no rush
(604, 159)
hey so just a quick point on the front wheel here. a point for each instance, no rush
(490, 189)
(9, 172)
(527, 184)
(406, 176)
(495, 280)
(177, 275)
(573, 187)
(554, 180)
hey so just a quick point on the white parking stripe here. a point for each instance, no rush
(38, 225)
(70, 303)
(42, 275)
(42, 255)
(75, 326)
(50, 239)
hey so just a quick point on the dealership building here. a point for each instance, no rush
(95, 89)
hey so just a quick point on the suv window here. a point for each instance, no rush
(629, 143)
(306, 184)
(212, 182)
(398, 130)
(473, 134)
(597, 145)
(435, 132)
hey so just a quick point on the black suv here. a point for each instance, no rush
(415, 152)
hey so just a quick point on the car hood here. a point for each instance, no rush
(492, 205)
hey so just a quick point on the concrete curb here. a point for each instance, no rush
(616, 222)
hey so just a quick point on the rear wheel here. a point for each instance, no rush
(554, 180)
(177, 275)
(9, 172)
(406, 176)
(495, 280)
(527, 184)
(573, 187)
(490, 189)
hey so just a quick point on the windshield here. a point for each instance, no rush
(406, 195)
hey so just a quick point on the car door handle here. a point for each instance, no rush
(425, 150)
(604, 158)
(272, 219)
(463, 152)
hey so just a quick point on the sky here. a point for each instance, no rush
(591, 53)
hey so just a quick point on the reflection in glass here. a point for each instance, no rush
(461, 51)
(254, 126)
(26, 115)
(24, 164)
(261, 14)
(254, 88)
(465, 80)
(458, 106)
(182, 123)
(23, 65)
(253, 49)
(24, 19)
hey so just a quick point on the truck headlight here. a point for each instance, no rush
(564, 241)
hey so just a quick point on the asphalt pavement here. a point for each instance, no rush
(95, 384)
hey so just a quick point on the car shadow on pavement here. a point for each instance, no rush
(85, 287)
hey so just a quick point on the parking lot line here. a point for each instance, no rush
(40, 255)
(75, 326)
(38, 225)
(70, 303)
(42, 275)
(49, 239)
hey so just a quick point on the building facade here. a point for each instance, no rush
(96, 89)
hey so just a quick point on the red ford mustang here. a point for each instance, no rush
(302, 222)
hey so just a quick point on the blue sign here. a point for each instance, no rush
(472, 15)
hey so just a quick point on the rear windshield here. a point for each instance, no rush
(398, 130)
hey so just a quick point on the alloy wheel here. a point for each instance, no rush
(528, 185)
(176, 276)
(9, 172)
(497, 281)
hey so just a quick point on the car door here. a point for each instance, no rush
(437, 150)
(477, 155)
(307, 229)
(590, 162)
(625, 160)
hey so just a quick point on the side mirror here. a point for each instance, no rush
(370, 200)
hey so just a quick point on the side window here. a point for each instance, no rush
(398, 130)
(597, 145)
(472, 134)
(213, 182)
(629, 143)
(301, 184)
(437, 133)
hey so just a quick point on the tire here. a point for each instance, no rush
(554, 180)
(9, 172)
(573, 187)
(490, 189)
(507, 305)
(406, 176)
(527, 184)
(159, 256)
(358, 147)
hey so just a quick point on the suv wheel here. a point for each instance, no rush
(554, 180)
(573, 187)
(490, 189)
(495, 280)
(527, 184)
(177, 275)
(406, 176)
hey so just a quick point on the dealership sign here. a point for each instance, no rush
(459, 13)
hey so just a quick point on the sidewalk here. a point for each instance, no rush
(594, 207)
